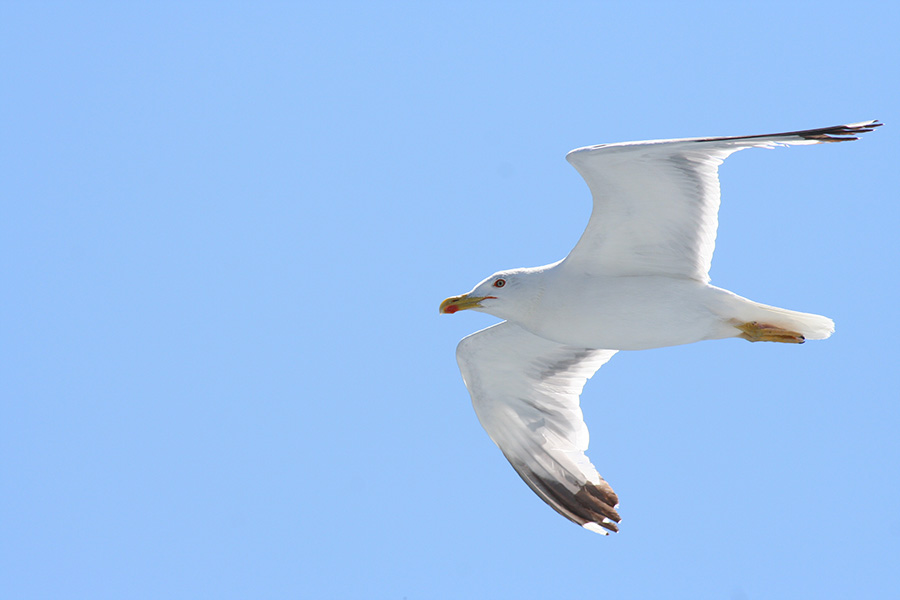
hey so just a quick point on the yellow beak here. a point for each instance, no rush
(455, 303)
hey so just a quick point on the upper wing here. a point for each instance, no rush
(525, 392)
(656, 202)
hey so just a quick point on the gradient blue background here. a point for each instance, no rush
(226, 229)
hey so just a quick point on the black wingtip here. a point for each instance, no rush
(839, 133)
(835, 133)
(592, 505)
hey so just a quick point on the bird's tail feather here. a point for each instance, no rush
(812, 327)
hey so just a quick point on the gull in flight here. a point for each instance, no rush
(637, 279)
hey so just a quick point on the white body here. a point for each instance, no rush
(596, 311)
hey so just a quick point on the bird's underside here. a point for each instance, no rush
(654, 220)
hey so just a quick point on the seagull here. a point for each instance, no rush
(637, 279)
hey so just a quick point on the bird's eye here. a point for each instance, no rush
(500, 283)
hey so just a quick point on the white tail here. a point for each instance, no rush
(813, 327)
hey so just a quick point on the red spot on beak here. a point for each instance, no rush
(450, 309)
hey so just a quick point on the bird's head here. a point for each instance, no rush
(498, 295)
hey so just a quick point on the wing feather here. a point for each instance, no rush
(656, 203)
(525, 391)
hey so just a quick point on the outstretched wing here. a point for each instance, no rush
(525, 392)
(656, 202)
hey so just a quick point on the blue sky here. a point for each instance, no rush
(226, 231)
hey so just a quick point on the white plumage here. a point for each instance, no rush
(637, 279)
